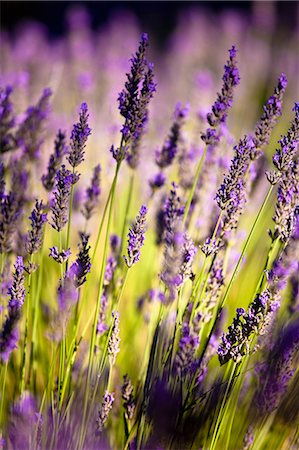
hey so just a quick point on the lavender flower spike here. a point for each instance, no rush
(114, 341)
(9, 334)
(28, 134)
(79, 136)
(128, 397)
(55, 161)
(60, 257)
(82, 266)
(133, 101)
(288, 144)
(272, 110)
(224, 99)
(92, 194)
(7, 120)
(35, 235)
(167, 154)
(280, 369)
(60, 202)
(136, 238)
(105, 410)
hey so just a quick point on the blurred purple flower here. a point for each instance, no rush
(55, 161)
(9, 334)
(136, 238)
(92, 194)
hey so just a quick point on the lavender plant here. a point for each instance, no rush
(207, 337)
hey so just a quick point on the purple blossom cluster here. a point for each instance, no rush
(79, 136)
(104, 410)
(7, 120)
(64, 180)
(172, 317)
(92, 194)
(38, 219)
(136, 238)
(55, 161)
(81, 267)
(224, 100)
(9, 334)
(133, 104)
(28, 134)
(261, 312)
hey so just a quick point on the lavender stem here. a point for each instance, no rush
(191, 194)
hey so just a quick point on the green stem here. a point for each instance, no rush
(2, 393)
(124, 228)
(24, 357)
(93, 336)
(198, 170)
(68, 234)
(102, 223)
(35, 313)
(220, 415)
(249, 237)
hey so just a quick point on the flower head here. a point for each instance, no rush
(55, 161)
(81, 267)
(60, 202)
(79, 137)
(114, 341)
(28, 136)
(9, 334)
(35, 234)
(136, 238)
(104, 410)
(92, 194)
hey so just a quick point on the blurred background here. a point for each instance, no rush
(158, 17)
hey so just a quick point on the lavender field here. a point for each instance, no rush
(149, 234)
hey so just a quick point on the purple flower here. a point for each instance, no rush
(133, 101)
(9, 213)
(7, 120)
(102, 326)
(60, 202)
(224, 99)
(128, 398)
(188, 253)
(9, 334)
(55, 161)
(272, 110)
(110, 268)
(28, 136)
(288, 144)
(173, 213)
(287, 202)
(35, 235)
(261, 312)
(136, 238)
(166, 155)
(92, 194)
(60, 257)
(279, 370)
(188, 345)
(82, 266)
(157, 181)
(114, 243)
(67, 293)
(79, 137)
(141, 117)
(114, 341)
(104, 410)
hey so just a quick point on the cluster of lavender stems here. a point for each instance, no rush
(76, 323)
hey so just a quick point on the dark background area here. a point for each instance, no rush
(157, 17)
